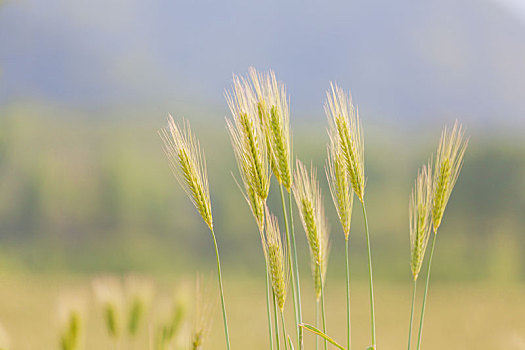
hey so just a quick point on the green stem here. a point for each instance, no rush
(268, 308)
(426, 291)
(219, 275)
(347, 263)
(285, 336)
(276, 324)
(317, 323)
(290, 260)
(412, 315)
(323, 317)
(296, 271)
(370, 279)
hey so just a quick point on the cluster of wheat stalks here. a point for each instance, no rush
(261, 138)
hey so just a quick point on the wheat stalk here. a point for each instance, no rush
(449, 160)
(188, 164)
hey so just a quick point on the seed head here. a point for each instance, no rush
(71, 310)
(274, 115)
(343, 121)
(108, 292)
(449, 160)
(248, 138)
(139, 293)
(275, 255)
(420, 209)
(189, 166)
(338, 180)
(310, 203)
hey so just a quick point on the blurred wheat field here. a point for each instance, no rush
(459, 315)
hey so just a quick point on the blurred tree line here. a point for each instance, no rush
(84, 192)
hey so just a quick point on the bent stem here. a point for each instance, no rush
(219, 276)
(426, 291)
(347, 263)
(412, 314)
(291, 264)
(370, 279)
(317, 323)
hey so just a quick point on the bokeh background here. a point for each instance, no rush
(85, 188)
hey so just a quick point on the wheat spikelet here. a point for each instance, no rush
(311, 210)
(108, 292)
(139, 293)
(274, 115)
(204, 307)
(275, 254)
(188, 165)
(171, 315)
(420, 209)
(344, 121)
(71, 310)
(449, 160)
(337, 175)
(247, 138)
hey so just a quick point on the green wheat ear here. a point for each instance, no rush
(310, 203)
(108, 292)
(139, 293)
(420, 210)
(72, 315)
(188, 164)
(344, 122)
(449, 161)
(276, 256)
(338, 180)
(274, 115)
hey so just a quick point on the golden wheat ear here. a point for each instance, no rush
(108, 292)
(420, 210)
(449, 160)
(189, 166)
(71, 311)
(344, 122)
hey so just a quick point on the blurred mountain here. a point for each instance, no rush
(404, 60)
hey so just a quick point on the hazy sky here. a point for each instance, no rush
(402, 61)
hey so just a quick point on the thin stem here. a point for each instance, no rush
(268, 308)
(370, 279)
(290, 260)
(412, 315)
(276, 324)
(219, 275)
(348, 324)
(323, 317)
(285, 334)
(426, 291)
(296, 271)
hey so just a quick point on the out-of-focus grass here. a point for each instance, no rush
(460, 316)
